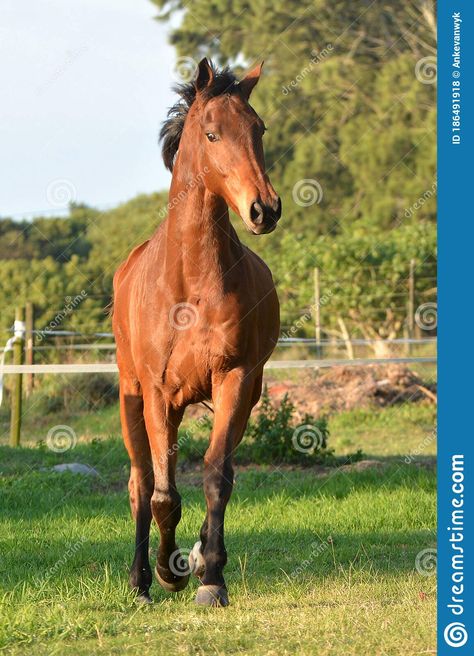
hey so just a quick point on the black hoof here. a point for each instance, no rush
(169, 581)
(212, 595)
(143, 598)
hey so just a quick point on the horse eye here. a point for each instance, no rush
(212, 137)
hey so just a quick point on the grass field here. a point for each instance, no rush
(320, 562)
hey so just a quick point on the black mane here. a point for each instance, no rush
(224, 82)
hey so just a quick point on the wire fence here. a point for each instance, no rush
(98, 357)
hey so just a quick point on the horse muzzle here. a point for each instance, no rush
(264, 217)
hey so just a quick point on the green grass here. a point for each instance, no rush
(392, 432)
(66, 545)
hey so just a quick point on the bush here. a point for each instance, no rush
(276, 437)
(90, 391)
(74, 393)
(273, 437)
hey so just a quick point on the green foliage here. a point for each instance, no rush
(116, 232)
(76, 253)
(72, 394)
(275, 436)
(364, 278)
(339, 95)
(364, 275)
(47, 237)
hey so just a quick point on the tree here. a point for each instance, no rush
(340, 96)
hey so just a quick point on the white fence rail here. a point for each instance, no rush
(111, 367)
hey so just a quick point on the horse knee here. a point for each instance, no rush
(166, 507)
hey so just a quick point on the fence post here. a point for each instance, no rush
(15, 422)
(411, 303)
(317, 312)
(346, 337)
(29, 344)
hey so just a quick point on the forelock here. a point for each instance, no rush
(224, 82)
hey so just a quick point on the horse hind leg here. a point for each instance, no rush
(140, 484)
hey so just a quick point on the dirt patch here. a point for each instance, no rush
(345, 388)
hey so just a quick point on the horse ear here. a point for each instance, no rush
(204, 75)
(250, 80)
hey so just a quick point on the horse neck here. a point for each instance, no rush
(201, 243)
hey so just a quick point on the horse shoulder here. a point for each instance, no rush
(128, 264)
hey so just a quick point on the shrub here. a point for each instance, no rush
(276, 436)
(74, 393)
(273, 437)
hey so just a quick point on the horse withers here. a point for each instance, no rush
(196, 317)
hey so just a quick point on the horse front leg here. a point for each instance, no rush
(232, 398)
(162, 422)
(140, 483)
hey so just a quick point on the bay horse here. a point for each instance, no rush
(196, 316)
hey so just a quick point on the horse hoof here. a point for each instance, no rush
(176, 585)
(197, 564)
(212, 595)
(143, 598)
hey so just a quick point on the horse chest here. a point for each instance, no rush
(186, 372)
(205, 336)
(220, 328)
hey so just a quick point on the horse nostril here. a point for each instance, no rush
(277, 207)
(256, 213)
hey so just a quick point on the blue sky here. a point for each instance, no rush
(85, 86)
